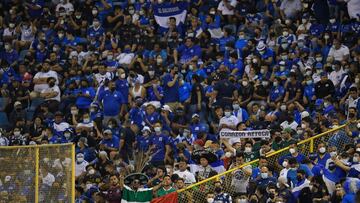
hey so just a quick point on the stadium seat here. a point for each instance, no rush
(4, 121)
(35, 103)
(3, 103)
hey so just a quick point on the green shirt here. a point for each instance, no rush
(162, 191)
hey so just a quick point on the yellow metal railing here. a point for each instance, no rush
(305, 146)
(27, 167)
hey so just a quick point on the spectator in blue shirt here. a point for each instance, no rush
(160, 146)
(187, 52)
(86, 95)
(170, 83)
(277, 93)
(110, 143)
(9, 55)
(111, 101)
(96, 30)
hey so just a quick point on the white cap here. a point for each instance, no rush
(195, 115)
(17, 103)
(282, 63)
(283, 180)
(146, 128)
(7, 178)
(304, 114)
(166, 108)
(261, 46)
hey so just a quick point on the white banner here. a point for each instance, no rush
(245, 134)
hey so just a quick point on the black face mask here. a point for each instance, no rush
(112, 89)
(299, 178)
(51, 84)
(217, 189)
(351, 115)
(271, 195)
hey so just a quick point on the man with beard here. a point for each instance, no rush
(111, 101)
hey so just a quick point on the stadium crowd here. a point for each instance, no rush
(137, 95)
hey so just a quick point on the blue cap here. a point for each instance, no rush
(318, 102)
(318, 65)
(322, 74)
(306, 50)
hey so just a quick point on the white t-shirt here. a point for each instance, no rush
(188, 177)
(224, 10)
(232, 121)
(61, 127)
(53, 89)
(9, 33)
(339, 54)
(68, 7)
(353, 7)
(335, 76)
(101, 78)
(125, 58)
(41, 87)
(80, 168)
(49, 179)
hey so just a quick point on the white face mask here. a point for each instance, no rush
(157, 129)
(60, 35)
(86, 120)
(318, 59)
(333, 154)
(236, 106)
(275, 84)
(91, 171)
(303, 20)
(16, 133)
(247, 149)
(159, 61)
(210, 200)
(284, 45)
(285, 164)
(322, 150)
(67, 135)
(264, 175)
(11, 25)
(282, 107)
(245, 83)
(355, 159)
(332, 20)
(303, 126)
(285, 33)
(227, 114)
(292, 151)
(282, 68)
(80, 160)
(94, 12)
(357, 80)
(109, 57)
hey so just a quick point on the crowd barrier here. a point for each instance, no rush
(37, 173)
(197, 192)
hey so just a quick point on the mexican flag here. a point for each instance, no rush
(142, 195)
(169, 198)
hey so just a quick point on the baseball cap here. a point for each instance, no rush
(195, 115)
(261, 46)
(318, 65)
(146, 128)
(304, 114)
(166, 108)
(17, 103)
